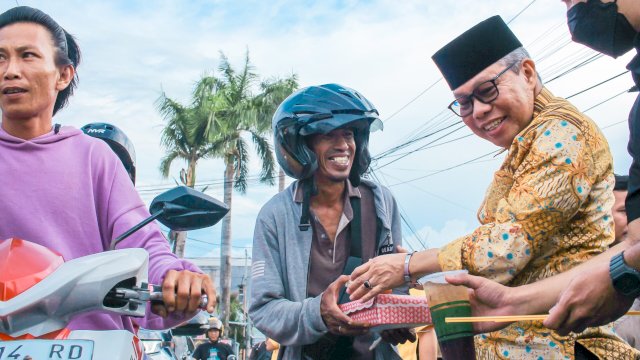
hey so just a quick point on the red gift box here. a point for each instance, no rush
(389, 311)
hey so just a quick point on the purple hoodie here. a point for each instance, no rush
(70, 193)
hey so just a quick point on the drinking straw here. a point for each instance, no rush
(508, 318)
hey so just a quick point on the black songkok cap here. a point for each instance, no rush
(475, 50)
(622, 182)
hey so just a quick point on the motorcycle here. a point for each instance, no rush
(40, 292)
(157, 344)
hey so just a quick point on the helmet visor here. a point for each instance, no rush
(356, 119)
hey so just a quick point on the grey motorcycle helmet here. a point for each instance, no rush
(119, 143)
(320, 110)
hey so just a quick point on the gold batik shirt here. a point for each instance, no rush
(547, 210)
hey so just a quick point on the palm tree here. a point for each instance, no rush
(274, 92)
(237, 114)
(187, 137)
(236, 314)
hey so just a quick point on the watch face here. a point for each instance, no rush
(627, 283)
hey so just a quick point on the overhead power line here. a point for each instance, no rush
(435, 145)
(521, 11)
(251, 180)
(421, 189)
(611, 98)
(614, 124)
(596, 85)
(217, 244)
(556, 45)
(404, 219)
(409, 142)
(412, 100)
(546, 33)
(587, 61)
(462, 126)
(423, 131)
(494, 152)
(440, 79)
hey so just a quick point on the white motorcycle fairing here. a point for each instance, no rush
(77, 286)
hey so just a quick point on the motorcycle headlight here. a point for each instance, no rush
(152, 346)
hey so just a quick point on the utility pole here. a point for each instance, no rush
(247, 326)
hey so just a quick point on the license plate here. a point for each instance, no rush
(46, 349)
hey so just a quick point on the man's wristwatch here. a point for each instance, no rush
(625, 279)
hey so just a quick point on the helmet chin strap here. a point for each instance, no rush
(361, 158)
(308, 189)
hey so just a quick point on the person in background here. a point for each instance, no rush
(426, 345)
(262, 350)
(213, 349)
(118, 141)
(274, 348)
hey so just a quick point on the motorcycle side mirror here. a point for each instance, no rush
(181, 209)
(198, 325)
(184, 209)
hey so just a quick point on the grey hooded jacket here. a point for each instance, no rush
(279, 305)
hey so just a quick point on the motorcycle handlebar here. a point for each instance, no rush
(155, 296)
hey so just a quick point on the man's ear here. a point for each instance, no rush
(528, 69)
(67, 73)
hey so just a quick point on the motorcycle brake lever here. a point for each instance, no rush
(122, 296)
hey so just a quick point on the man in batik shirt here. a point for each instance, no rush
(548, 208)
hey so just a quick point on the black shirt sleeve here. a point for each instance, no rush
(632, 202)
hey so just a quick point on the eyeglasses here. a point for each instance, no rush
(486, 93)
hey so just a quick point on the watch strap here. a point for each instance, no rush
(618, 268)
(407, 275)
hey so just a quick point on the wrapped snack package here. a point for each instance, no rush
(389, 311)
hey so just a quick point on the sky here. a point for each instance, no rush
(133, 50)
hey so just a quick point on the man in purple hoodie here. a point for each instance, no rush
(68, 191)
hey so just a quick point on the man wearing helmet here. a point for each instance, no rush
(67, 191)
(213, 349)
(321, 227)
(118, 141)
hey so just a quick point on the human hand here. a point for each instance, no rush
(381, 273)
(181, 293)
(487, 298)
(589, 300)
(337, 322)
(398, 336)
